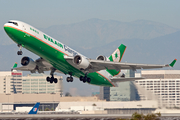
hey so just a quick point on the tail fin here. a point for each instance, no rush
(34, 109)
(116, 57)
(118, 54)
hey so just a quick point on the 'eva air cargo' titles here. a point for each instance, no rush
(58, 57)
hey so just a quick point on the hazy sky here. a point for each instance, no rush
(44, 13)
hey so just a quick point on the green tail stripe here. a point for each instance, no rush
(15, 65)
(173, 62)
(122, 49)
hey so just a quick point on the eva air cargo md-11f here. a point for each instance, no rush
(58, 57)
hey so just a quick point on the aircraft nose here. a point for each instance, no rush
(6, 28)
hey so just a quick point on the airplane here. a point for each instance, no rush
(58, 57)
(34, 109)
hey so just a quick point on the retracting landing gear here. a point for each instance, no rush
(52, 79)
(20, 49)
(85, 79)
(69, 79)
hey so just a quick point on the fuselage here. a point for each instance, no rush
(51, 50)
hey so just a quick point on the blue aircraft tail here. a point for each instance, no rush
(34, 109)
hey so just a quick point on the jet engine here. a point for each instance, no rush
(28, 62)
(102, 57)
(81, 62)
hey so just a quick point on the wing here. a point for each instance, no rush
(41, 66)
(97, 65)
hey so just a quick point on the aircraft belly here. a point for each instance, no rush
(98, 79)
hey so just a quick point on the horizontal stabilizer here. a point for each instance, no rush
(121, 79)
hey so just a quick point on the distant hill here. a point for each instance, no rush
(96, 32)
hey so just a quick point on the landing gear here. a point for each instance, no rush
(20, 49)
(19, 52)
(85, 79)
(69, 79)
(52, 79)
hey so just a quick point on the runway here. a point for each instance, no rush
(78, 116)
(64, 117)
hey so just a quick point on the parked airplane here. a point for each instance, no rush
(34, 109)
(58, 57)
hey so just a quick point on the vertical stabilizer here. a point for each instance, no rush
(118, 54)
(34, 109)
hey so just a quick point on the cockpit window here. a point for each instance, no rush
(15, 23)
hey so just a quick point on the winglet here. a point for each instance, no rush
(173, 62)
(15, 65)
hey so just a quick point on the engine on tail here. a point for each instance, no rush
(81, 62)
(102, 57)
(28, 62)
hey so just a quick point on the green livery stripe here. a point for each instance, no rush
(53, 55)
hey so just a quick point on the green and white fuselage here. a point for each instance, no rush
(52, 51)
(56, 56)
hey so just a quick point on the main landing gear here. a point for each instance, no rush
(85, 79)
(69, 79)
(52, 79)
(20, 49)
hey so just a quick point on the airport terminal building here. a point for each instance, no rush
(164, 84)
(18, 90)
(15, 82)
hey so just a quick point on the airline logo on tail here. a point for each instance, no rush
(34, 109)
(116, 55)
